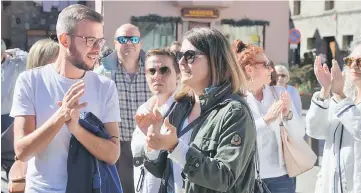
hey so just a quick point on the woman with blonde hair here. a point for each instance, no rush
(43, 52)
(271, 107)
(210, 138)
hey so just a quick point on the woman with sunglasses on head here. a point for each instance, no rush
(162, 74)
(269, 113)
(283, 76)
(337, 120)
(210, 136)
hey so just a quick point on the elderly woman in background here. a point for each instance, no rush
(283, 76)
(43, 52)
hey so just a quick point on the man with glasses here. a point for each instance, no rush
(48, 101)
(126, 67)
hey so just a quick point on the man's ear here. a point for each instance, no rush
(64, 40)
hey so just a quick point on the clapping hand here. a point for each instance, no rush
(337, 81)
(322, 73)
(161, 140)
(70, 107)
(286, 103)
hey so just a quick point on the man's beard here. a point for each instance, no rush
(76, 60)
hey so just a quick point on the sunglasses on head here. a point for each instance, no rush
(126, 39)
(349, 60)
(164, 70)
(189, 56)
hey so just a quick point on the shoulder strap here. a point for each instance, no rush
(171, 108)
(274, 92)
(181, 131)
(339, 160)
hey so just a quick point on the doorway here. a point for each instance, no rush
(330, 50)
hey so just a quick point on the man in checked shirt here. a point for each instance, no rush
(126, 67)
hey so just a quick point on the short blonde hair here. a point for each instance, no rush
(41, 53)
(281, 68)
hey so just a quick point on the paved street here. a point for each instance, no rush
(306, 181)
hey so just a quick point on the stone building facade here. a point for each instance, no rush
(327, 27)
(25, 22)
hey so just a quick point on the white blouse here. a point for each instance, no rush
(268, 136)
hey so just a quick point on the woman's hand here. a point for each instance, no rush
(166, 141)
(274, 112)
(144, 121)
(337, 81)
(286, 103)
(322, 74)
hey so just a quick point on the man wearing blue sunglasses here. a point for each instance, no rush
(126, 67)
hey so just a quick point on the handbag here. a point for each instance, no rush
(259, 185)
(298, 155)
(17, 177)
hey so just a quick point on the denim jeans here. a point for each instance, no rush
(6, 121)
(282, 184)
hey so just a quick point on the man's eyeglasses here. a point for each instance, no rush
(189, 55)
(164, 70)
(349, 60)
(91, 41)
(266, 64)
(126, 39)
(282, 75)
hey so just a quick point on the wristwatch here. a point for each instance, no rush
(289, 116)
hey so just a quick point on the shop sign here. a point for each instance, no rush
(200, 13)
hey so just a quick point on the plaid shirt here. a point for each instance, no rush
(132, 93)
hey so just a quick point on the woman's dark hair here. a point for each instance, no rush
(221, 60)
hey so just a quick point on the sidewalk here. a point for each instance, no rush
(306, 181)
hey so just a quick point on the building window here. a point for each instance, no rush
(156, 35)
(297, 7)
(329, 4)
(311, 43)
(157, 31)
(248, 34)
(346, 42)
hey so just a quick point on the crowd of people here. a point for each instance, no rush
(201, 115)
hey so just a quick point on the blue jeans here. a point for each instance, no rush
(282, 184)
(6, 121)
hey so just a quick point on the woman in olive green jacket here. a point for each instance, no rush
(210, 135)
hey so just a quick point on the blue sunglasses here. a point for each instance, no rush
(125, 39)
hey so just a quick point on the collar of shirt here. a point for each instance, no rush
(140, 67)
